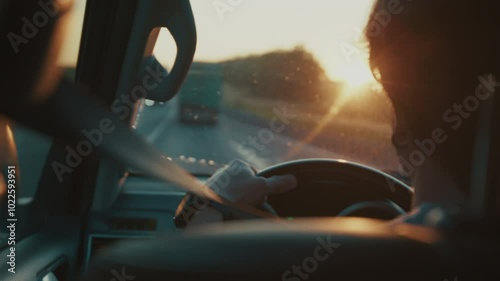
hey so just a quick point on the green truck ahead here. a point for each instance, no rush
(200, 97)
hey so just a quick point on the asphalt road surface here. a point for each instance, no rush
(232, 137)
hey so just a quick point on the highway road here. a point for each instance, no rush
(232, 137)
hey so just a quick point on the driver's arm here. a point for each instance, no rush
(238, 183)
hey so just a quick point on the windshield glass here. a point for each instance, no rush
(274, 81)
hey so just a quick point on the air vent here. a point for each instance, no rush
(137, 224)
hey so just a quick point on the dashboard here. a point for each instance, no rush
(143, 209)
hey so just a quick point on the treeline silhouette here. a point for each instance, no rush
(290, 75)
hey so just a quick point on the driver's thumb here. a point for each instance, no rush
(279, 184)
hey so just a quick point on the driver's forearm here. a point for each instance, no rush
(207, 215)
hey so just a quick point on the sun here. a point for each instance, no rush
(357, 74)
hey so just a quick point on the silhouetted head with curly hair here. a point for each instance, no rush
(429, 56)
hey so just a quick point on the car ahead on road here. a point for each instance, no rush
(83, 196)
(200, 97)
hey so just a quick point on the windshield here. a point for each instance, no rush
(274, 81)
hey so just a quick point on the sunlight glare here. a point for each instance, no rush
(358, 74)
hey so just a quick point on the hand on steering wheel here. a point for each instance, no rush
(238, 183)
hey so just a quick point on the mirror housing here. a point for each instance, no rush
(177, 17)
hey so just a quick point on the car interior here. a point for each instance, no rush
(96, 192)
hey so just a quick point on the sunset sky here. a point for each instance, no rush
(259, 26)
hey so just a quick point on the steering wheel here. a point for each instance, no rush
(328, 187)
